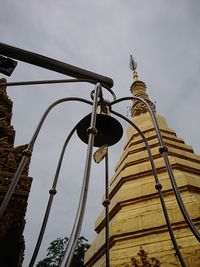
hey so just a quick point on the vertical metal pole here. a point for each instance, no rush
(106, 204)
(84, 191)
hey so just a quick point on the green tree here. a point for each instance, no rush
(56, 250)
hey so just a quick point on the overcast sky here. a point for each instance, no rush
(164, 38)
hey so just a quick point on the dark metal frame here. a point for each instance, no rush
(98, 80)
(54, 65)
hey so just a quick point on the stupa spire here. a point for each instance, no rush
(138, 88)
(136, 216)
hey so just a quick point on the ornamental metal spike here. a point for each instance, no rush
(133, 66)
(132, 63)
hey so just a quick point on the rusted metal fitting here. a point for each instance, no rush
(106, 202)
(27, 153)
(158, 186)
(92, 130)
(163, 149)
(52, 191)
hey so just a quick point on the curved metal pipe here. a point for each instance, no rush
(158, 186)
(84, 191)
(55, 82)
(52, 193)
(164, 153)
(28, 151)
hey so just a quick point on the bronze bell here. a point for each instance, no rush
(109, 129)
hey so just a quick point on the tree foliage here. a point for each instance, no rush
(142, 260)
(56, 250)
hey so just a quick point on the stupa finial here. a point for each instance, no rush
(133, 67)
(138, 88)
